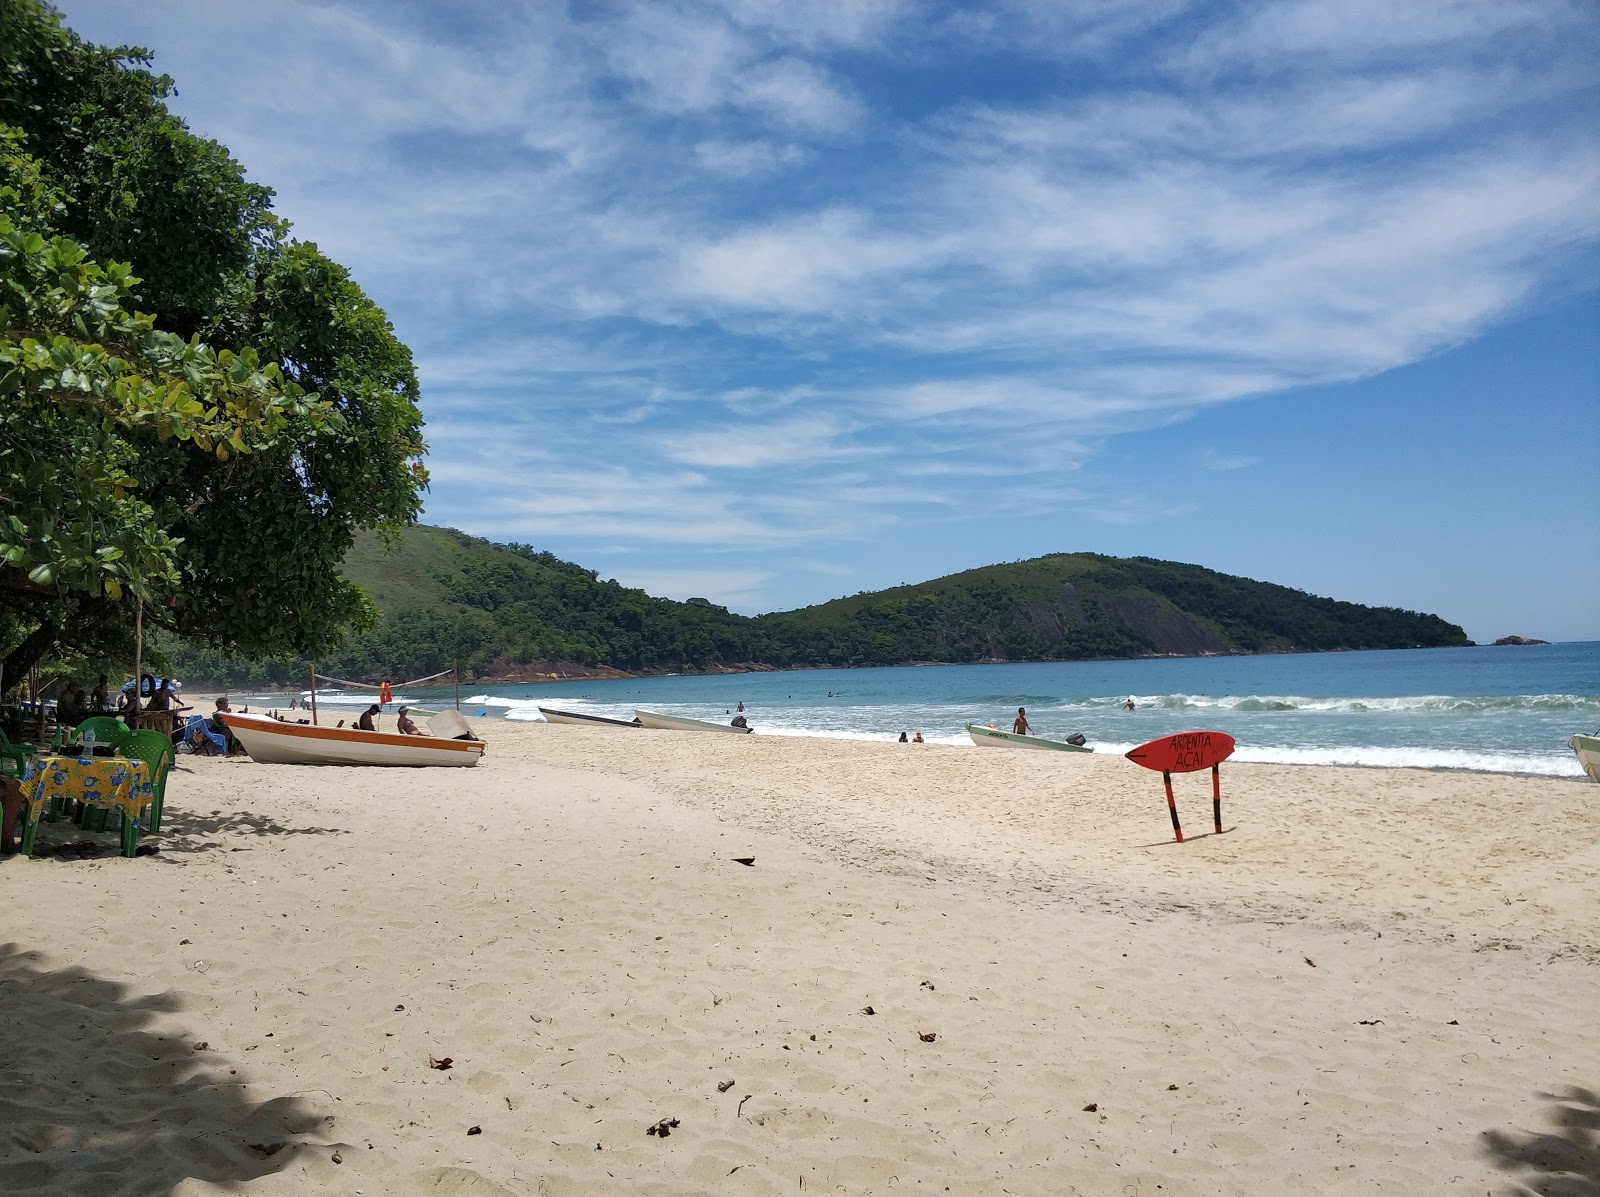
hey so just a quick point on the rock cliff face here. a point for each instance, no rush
(1519, 640)
(1173, 632)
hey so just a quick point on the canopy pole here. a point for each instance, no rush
(138, 661)
(313, 696)
(456, 669)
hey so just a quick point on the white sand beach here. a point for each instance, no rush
(961, 970)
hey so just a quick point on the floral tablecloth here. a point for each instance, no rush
(109, 782)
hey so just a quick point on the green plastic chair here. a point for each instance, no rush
(155, 750)
(107, 729)
(16, 755)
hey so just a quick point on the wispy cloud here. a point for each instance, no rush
(743, 275)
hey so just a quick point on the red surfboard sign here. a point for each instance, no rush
(1185, 752)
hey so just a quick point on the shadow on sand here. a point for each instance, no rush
(102, 1093)
(186, 831)
(1560, 1163)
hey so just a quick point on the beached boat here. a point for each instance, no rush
(985, 736)
(279, 742)
(1588, 750)
(551, 715)
(683, 723)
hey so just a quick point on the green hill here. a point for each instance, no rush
(515, 613)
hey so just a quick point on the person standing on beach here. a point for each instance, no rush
(1020, 725)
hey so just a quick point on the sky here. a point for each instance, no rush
(770, 303)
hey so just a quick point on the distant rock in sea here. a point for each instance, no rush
(1519, 640)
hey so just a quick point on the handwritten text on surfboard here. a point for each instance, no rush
(1186, 752)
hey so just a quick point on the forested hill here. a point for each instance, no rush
(510, 611)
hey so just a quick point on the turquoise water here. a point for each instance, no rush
(1501, 710)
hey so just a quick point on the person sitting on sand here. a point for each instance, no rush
(917, 739)
(408, 726)
(1019, 725)
(904, 739)
(365, 722)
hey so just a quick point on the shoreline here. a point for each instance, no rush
(1564, 758)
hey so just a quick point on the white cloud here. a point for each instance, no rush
(758, 274)
(746, 159)
(735, 588)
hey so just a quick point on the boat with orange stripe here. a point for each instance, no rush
(279, 742)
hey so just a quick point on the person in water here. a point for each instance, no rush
(1020, 725)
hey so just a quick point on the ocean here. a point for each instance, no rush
(1509, 709)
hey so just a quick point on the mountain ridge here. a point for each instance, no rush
(511, 612)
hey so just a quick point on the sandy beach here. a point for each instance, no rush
(962, 970)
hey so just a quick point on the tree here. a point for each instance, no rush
(215, 459)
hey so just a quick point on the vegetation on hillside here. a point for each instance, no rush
(505, 610)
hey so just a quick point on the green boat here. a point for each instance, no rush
(1588, 750)
(985, 736)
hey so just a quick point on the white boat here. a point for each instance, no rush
(683, 723)
(551, 715)
(280, 742)
(1588, 750)
(985, 736)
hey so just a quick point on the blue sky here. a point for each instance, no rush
(775, 302)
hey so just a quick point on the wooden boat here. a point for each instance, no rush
(985, 736)
(1588, 750)
(279, 742)
(683, 723)
(552, 715)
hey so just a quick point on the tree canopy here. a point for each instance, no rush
(197, 411)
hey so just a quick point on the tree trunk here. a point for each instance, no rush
(32, 650)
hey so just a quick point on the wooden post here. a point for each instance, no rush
(1186, 752)
(1216, 796)
(455, 669)
(313, 696)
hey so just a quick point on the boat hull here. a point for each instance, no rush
(985, 736)
(551, 715)
(662, 722)
(1588, 750)
(272, 742)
